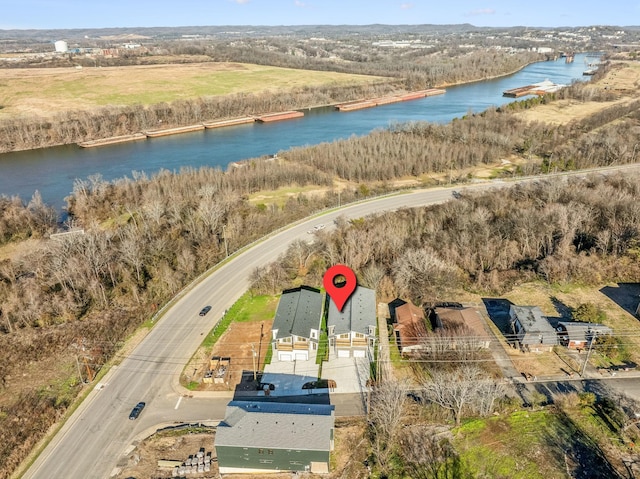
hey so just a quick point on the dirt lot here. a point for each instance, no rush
(346, 460)
(44, 91)
(236, 344)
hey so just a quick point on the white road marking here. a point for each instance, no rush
(178, 403)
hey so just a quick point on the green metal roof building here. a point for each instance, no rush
(264, 437)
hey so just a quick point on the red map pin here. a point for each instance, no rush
(340, 294)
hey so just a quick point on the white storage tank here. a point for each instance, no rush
(61, 46)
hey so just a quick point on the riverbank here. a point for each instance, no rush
(46, 121)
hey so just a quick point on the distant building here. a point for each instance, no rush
(61, 46)
(352, 331)
(577, 335)
(267, 437)
(532, 329)
(296, 326)
(410, 328)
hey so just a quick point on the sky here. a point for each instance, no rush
(52, 14)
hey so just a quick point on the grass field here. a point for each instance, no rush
(534, 444)
(45, 91)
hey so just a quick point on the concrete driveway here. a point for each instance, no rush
(288, 377)
(349, 374)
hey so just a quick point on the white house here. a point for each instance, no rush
(352, 331)
(296, 326)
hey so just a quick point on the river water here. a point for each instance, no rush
(52, 171)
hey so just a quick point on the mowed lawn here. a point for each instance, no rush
(46, 91)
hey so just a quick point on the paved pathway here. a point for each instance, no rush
(384, 359)
(500, 356)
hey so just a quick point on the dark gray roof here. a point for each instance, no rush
(299, 311)
(532, 319)
(579, 331)
(276, 426)
(535, 325)
(358, 314)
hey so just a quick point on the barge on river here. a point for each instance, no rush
(541, 88)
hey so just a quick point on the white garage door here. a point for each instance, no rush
(344, 353)
(302, 356)
(285, 356)
(359, 353)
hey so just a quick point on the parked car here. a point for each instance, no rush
(135, 412)
(205, 310)
(318, 227)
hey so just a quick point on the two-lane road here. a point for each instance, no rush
(97, 435)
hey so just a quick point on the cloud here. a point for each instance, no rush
(241, 2)
(300, 4)
(406, 6)
(481, 11)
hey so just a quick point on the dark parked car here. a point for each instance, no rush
(205, 310)
(135, 412)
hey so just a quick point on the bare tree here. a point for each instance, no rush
(461, 390)
(385, 419)
(429, 454)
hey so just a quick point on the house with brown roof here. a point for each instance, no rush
(409, 327)
(462, 325)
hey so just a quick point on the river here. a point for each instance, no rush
(52, 171)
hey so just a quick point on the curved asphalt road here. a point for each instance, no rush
(99, 434)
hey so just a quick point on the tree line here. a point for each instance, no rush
(580, 230)
(76, 126)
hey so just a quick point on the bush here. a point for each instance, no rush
(588, 313)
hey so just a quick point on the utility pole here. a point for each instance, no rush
(224, 237)
(79, 370)
(260, 344)
(586, 360)
(253, 354)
